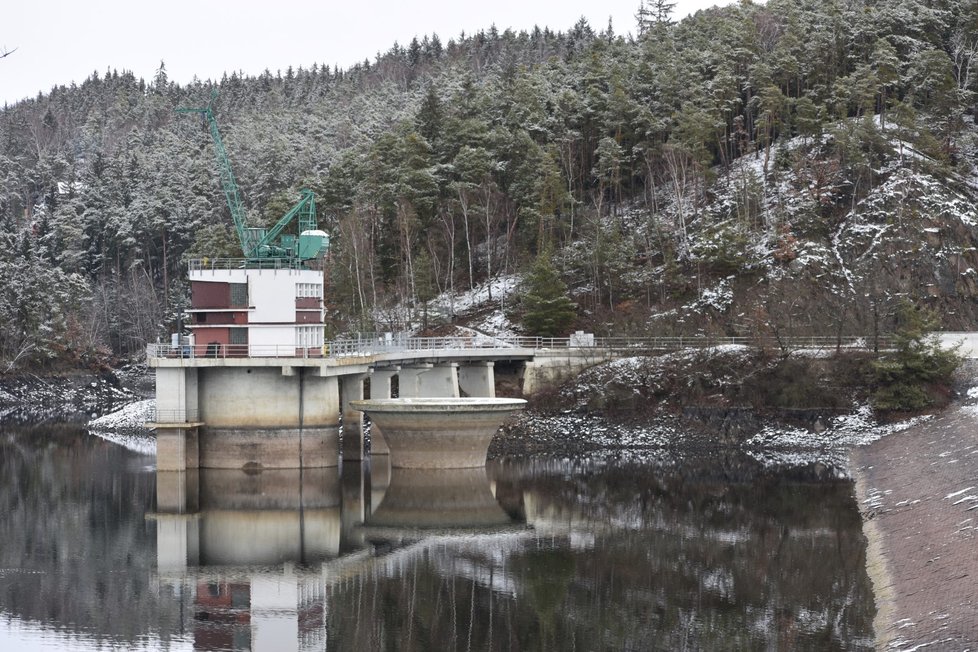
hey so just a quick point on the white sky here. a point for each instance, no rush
(63, 41)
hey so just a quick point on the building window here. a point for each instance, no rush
(239, 295)
(238, 335)
(308, 290)
(309, 337)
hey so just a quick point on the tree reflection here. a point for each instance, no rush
(711, 552)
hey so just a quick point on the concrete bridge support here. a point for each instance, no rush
(263, 418)
(177, 447)
(476, 379)
(429, 381)
(237, 417)
(380, 387)
(351, 389)
(176, 394)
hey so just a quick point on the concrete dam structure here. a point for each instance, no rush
(254, 411)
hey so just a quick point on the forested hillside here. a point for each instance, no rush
(794, 167)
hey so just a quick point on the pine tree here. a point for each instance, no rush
(547, 310)
(910, 378)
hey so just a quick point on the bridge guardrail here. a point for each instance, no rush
(396, 343)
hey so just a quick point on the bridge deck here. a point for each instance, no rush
(388, 350)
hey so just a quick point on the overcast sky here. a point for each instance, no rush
(64, 41)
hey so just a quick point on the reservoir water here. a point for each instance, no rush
(637, 551)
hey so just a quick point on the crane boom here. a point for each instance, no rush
(228, 182)
(257, 243)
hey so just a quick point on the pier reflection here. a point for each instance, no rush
(443, 500)
(255, 554)
(705, 551)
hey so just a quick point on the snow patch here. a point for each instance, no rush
(132, 416)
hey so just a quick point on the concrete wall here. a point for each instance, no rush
(255, 417)
(262, 397)
(268, 335)
(269, 448)
(273, 292)
(553, 367)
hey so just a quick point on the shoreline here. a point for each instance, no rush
(917, 493)
(877, 565)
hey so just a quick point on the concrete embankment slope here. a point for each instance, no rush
(918, 494)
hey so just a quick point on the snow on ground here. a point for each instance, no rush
(780, 445)
(125, 427)
(774, 446)
(856, 429)
(502, 288)
(133, 415)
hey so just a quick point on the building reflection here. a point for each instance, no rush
(253, 555)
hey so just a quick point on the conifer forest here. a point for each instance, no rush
(789, 168)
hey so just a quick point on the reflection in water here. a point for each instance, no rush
(219, 517)
(243, 548)
(708, 554)
(438, 499)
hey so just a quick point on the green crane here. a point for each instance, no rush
(261, 245)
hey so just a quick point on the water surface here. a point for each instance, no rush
(645, 552)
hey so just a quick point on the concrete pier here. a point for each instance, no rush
(380, 387)
(252, 417)
(351, 389)
(177, 446)
(438, 433)
(477, 379)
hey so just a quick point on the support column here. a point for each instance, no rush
(176, 395)
(477, 379)
(320, 420)
(441, 381)
(409, 380)
(177, 447)
(380, 387)
(429, 381)
(351, 389)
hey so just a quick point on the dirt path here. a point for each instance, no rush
(918, 493)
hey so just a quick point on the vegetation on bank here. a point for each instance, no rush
(802, 385)
(780, 169)
(917, 373)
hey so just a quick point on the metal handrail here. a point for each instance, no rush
(215, 264)
(398, 343)
(173, 416)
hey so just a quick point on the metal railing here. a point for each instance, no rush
(369, 345)
(209, 264)
(234, 351)
(173, 416)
